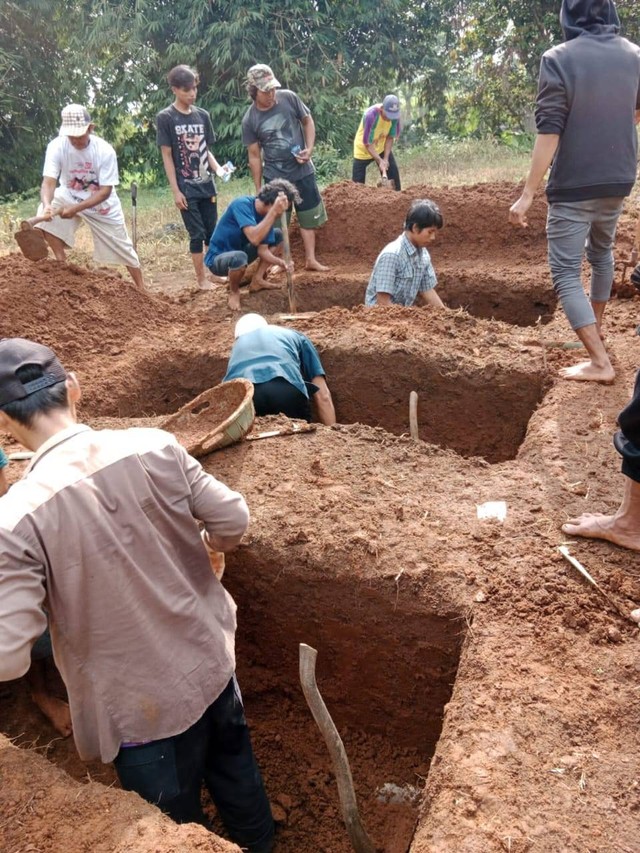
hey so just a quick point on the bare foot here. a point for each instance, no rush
(597, 526)
(587, 371)
(218, 280)
(56, 711)
(234, 301)
(206, 285)
(263, 284)
(316, 266)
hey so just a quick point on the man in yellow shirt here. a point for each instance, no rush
(378, 129)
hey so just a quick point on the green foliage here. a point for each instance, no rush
(338, 57)
(462, 68)
(39, 74)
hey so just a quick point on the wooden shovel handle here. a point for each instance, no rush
(348, 804)
(286, 245)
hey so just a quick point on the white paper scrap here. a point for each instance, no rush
(492, 509)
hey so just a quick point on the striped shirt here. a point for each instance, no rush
(103, 526)
(402, 270)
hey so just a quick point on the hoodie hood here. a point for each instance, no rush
(598, 17)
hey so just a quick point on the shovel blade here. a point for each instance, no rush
(32, 242)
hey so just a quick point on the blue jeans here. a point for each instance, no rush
(573, 227)
(217, 751)
(238, 258)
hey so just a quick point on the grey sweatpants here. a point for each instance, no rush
(572, 227)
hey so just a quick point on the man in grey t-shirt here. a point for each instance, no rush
(278, 129)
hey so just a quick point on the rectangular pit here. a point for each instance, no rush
(473, 410)
(481, 411)
(387, 663)
(514, 298)
(386, 668)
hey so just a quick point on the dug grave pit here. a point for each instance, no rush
(373, 361)
(386, 690)
(483, 264)
(521, 298)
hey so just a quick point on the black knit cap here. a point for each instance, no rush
(19, 352)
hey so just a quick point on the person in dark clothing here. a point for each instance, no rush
(285, 370)
(185, 136)
(623, 527)
(588, 98)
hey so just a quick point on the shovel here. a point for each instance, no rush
(385, 182)
(31, 241)
(134, 215)
(291, 293)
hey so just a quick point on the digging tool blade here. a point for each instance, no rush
(31, 241)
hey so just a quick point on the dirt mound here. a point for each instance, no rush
(75, 310)
(363, 219)
(45, 810)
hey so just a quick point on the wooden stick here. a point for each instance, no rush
(291, 293)
(134, 215)
(360, 841)
(413, 416)
(542, 343)
(585, 574)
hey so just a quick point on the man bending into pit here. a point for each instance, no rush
(87, 169)
(403, 272)
(103, 526)
(588, 92)
(245, 233)
(285, 370)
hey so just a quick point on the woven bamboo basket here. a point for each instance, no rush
(221, 416)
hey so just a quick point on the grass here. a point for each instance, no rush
(162, 240)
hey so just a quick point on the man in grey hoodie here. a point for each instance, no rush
(586, 110)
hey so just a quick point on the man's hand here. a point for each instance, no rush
(47, 212)
(287, 267)
(68, 212)
(518, 211)
(303, 156)
(180, 200)
(383, 165)
(281, 204)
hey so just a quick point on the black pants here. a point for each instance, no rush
(277, 396)
(359, 170)
(627, 440)
(217, 751)
(200, 220)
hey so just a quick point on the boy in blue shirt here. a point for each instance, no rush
(246, 232)
(285, 370)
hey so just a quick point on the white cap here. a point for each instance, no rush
(249, 323)
(75, 121)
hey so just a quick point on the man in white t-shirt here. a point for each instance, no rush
(87, 169)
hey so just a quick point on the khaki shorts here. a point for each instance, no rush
(111, 242)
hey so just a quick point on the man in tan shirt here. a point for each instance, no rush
(103, 528)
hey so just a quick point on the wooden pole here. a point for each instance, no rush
(291, 293)
(357, 833)
(413, 415)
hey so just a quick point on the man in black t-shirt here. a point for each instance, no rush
(185, 134)
(279, 129)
